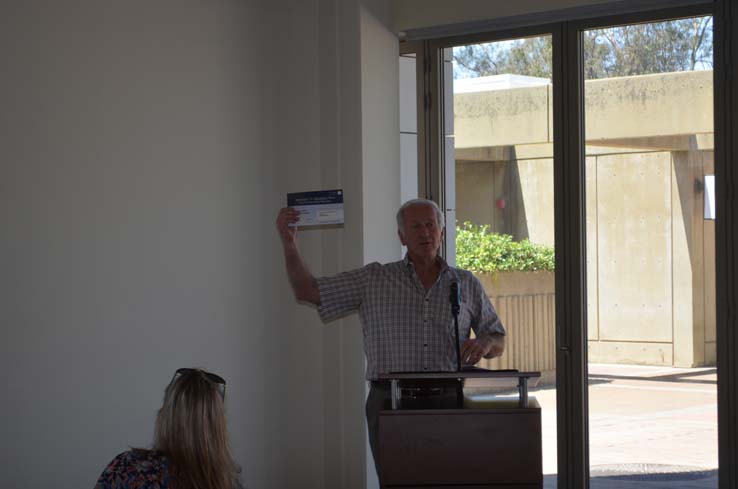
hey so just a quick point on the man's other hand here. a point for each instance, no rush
(287, 216)
(472, 350)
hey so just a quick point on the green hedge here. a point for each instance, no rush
(478, 250)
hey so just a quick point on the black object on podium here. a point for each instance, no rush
(455, 299)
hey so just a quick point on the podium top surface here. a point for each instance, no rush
(463, 374)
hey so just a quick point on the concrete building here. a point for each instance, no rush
(649, 146)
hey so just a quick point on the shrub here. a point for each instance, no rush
(478, 250)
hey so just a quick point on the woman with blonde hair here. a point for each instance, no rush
(190, 449)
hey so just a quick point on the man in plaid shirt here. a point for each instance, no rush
(404, 306)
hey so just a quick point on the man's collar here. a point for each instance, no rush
(410, 265)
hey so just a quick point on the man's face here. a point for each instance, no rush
(421, 233)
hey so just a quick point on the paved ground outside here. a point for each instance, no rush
(649, 427)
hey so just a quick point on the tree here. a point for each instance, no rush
(638, 49)
(530, 56)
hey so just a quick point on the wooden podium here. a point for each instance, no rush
(484, 444)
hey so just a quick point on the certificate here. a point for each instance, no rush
(317, 208)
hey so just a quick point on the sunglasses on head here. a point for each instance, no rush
(215, 379)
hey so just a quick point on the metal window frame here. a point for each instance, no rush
(602, 10)
(726, 237)
(418, 49)
(569, 197)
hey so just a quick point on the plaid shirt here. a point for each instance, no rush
(406, 328)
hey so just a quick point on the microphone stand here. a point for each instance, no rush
(455, 308)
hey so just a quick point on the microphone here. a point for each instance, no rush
(455, 298)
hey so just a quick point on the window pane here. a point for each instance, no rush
(650, 254)
(408, 128)
(499, 193)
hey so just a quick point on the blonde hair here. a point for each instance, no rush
(191, 432)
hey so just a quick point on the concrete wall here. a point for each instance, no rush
(514, 197)
(649, 106)
(493, 118)
(643, 106)
(145, 151)
(650, 253)
(648, 283)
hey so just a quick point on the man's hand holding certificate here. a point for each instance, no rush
(317, 208)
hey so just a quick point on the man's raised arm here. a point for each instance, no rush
(302, 281)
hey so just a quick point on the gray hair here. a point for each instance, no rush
(410, 203)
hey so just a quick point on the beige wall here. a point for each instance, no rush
(650, 253)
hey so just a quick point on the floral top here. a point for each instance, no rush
(138, 469)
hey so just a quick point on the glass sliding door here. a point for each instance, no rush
(497, 144)
(650, 246)
(621, 130)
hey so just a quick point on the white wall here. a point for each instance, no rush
(291, 101)
(316, 129)
(145, 150)
(380, 131)
(380, 126)
(137, 203)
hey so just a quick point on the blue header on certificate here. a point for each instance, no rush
(315, 198)
(318, 208)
